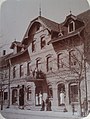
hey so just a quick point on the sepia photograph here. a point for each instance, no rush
(44, 59)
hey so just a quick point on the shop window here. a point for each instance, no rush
(21, 70)
(33, 45)
(43, 42)
(14, 72)
(71, 27)
(5, 95)
(73, 92)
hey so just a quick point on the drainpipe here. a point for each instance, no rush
(9, 85)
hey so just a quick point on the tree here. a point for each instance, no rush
(74, 62)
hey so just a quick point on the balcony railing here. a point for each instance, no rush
(36, 75)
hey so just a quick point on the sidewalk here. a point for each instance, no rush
(26, 114)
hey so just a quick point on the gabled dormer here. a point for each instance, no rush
(17, 47)
(72, 23)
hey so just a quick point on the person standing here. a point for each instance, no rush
(37, 99)
(43, 105)
(40, 98)
(62, 102)
(49, 105)
(47, 100)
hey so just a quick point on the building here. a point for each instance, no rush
(52, 61)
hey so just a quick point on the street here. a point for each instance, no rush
(28, 114)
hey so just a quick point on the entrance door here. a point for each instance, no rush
(61, 94)
(21, 96)
(38, 95)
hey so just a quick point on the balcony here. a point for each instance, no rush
(36, 75)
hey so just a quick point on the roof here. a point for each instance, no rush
(15, 43)
(84, 17)
(50, 25)
(71, 16)
(77, 32)
(3, 60)
(17, 54)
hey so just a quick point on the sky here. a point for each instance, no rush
(15, 15)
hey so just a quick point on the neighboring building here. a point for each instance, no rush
(50, 60)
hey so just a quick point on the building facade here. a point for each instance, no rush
(51, 61)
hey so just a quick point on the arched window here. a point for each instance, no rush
(38, 63)
(59, 61)
(50, 92)
(29, 94)
(43, 42)
(28, 68)
(14, 96)
(21, 70)
(73, 92)
(71, 27)
(14, 72)
(34, 45)
(72, 58)
(49, 63)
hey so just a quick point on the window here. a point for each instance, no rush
(21, 70)
(14, 96)
(49, 63)
(6, 75)
(43, 42)
(38, 64)
(4, 52)
(28, 68)
(50, 92)
(73, 92)
(29, 94)
(5, 95)
(33, 45)
(72, 58)
(71, 27)
(59, 61)
(14, 72)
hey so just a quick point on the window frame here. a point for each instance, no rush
(47, 63)
(28, 68)
(72, 61)
(59, 63)
(21, 70)
(34, 45)
(43, 42)
(70, 30)
(73, 90)
(14, 72)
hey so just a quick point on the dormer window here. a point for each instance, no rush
(71, 27)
